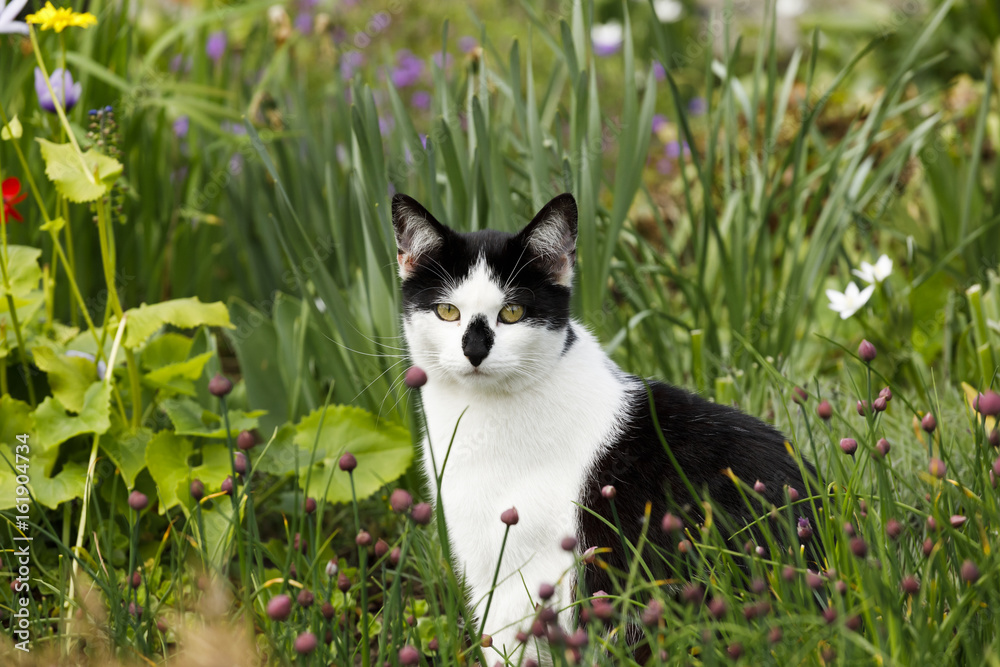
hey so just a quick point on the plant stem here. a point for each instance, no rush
(496, 575)
(363, 558)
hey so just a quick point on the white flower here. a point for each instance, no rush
(607, 37)
(789, 8)
(8, 14)
(874, 274)
(668, 11)
(850, 301)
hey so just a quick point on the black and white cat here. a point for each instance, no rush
(549, 418)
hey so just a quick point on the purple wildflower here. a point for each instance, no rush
(421, 100)
(215, 47)
(351, 62)
(697, 106)
(66, 90)
(467, 44)
(658, 71)
(408, 69)
(659, 122)
(181, 126)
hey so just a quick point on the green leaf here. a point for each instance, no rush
(128, 451)
(383, 450)
(169, 348)
(56, 426)
(77, 183)
(69, 377)
(53, 225)
(67, 485)
(190, 419)
(167, 458)
(22, 270)
(255, 348)
(145, 320)
(179, 377)
(15, 419)
(15, 129)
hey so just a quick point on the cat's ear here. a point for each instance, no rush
(417, 233)
(552, 237)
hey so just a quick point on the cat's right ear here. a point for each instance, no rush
(417, 233)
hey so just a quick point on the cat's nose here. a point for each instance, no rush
(477, 341)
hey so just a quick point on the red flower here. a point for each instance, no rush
(11, 187)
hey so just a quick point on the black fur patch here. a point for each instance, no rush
(477, 340)
(705, 438)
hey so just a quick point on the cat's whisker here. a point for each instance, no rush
(366, 354)
(368, 386)
(392, 387)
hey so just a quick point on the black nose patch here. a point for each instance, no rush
(478, 340)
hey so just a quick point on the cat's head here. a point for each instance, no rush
(486, 310)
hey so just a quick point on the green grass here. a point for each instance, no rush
(706, 267)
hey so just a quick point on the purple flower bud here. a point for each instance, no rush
(692, 593)
(568, 543)
(546, 591)
(227, 485)
(863, 408)
(937, 467)
(774, 635)
(849, 528)
(309, 506)
(305, 643)
(240, 463)
(347, 462)
(409, 656)
(220, 386)
(343, 583)
(849, 445)
(969, 571)
(886, 393)
(671, 523)
(67, 92)
(299, 544)
(138, 501)
(858, 547)
(840, 587)
(328, 611)
(994, 438)
(883, 447)
(331, 568)
(279, 608)
(135, 580)
(608, 492)
(758, 586)
(928, 423)
(734, 650)
(717, 607)
(957, 520)
(135, 609)
(880, 404)
(893, 529)
(486, 641)
(759, 487)
(800, 395)
(246, 440)
(421, 514)
(814, 581)
(579, 639)
(824, 410)
(509, 517)
(197, 489)
(547, 615)
(653, 612)
(400, 500)
(305, 598)
(363, 539)
(415, 377)
(394, 556)
(910, 585)
(793, 493)
(867, 351)
(381, 548)
(829, 615)
(803, 528)
(996, 467)
(928, 547)
(988, 404)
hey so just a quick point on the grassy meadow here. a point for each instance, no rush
(208, 447)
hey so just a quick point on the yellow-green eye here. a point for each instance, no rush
(447, 312)
(511, 313)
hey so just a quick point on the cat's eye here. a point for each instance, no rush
(511, 313)
(447, 312)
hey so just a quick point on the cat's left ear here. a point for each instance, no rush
(552, 237)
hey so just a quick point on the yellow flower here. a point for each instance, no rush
(57, 19)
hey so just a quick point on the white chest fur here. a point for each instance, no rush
(531, 450)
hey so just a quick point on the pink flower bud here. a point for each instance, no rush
(928, 423)
(937, 468)
(415, 377)
(849, 445)
(509, 517)
(867, 351)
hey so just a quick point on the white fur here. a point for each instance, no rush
(534, 424)
(422, 239)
